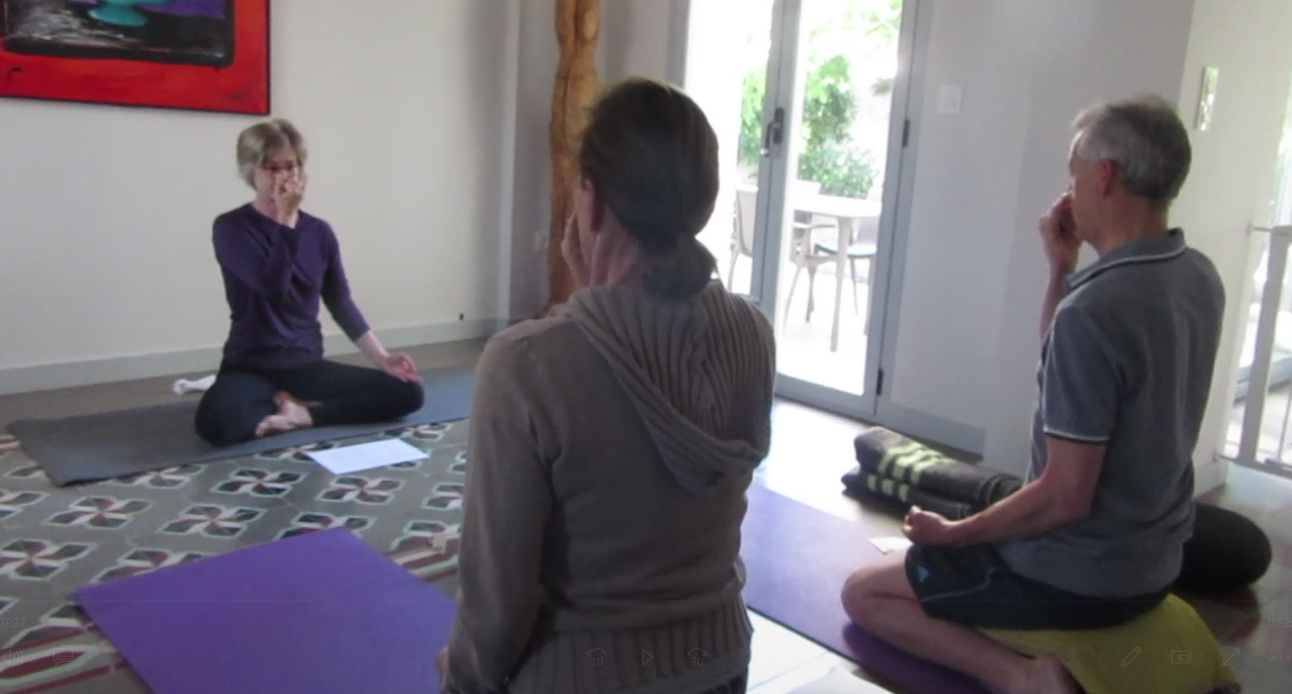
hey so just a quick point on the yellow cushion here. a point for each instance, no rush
(1168, 650)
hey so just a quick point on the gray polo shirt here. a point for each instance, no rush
(1127, 362)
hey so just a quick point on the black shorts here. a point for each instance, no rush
(973, 586)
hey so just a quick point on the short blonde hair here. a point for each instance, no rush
(258, 142)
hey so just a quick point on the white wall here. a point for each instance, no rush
(531, 173)
(636, 38)
(105, 212)
(429, 140)
(1232, 179)
(967, 339)
(416, 125)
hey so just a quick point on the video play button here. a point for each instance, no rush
(646, 657)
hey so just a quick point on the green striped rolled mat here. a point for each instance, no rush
(912, 496)
(892, 456)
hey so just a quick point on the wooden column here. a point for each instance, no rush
(578, 23)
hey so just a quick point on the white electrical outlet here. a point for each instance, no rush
(949, 98)
(540, 241)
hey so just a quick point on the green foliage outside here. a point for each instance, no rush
(828, 153)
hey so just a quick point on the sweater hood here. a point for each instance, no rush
(700, 373)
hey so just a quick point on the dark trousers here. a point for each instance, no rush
(973, 586)
(239, 399)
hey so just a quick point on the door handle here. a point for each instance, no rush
(774, 131)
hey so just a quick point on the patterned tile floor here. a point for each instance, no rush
(56, 540)
(52, 540)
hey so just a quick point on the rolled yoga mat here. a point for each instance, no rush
(797, 559)
(886, 487)
(102, 446)
(1226, 553)
(322, 613)
(892, 456)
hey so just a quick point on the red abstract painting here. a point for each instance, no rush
(206, 55)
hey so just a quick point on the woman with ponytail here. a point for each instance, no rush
(612, 442)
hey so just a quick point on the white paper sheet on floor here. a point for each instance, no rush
(890, 544)
(366, 456)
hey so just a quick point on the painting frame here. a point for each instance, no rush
(238, 85)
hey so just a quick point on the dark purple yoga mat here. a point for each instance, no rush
(797, 559)
(322, 613)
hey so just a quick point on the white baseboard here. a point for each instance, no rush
(24, 379)
(930, 427)
(921, 425)
(1210, 476)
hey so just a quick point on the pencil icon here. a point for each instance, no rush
(1133, 654)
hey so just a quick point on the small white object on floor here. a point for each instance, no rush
(365, 456)
(184, 385)
(890, 544)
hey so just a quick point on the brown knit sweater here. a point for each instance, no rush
(610, 450)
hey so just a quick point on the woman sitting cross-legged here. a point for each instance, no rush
(278, 264)
(612, 443)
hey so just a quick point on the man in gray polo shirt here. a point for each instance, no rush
(1095, 537)
(1127, 367)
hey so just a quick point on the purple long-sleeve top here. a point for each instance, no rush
(274, 279)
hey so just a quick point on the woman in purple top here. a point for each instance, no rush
(279, 264)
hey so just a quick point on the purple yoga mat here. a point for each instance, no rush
(797, 559)
(321, 612)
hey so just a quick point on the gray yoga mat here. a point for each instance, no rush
(102, 446)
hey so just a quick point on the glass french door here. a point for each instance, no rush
(808, 99)
(1259, 431)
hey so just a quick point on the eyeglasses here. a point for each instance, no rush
(282, 168)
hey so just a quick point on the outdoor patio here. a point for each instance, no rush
(846, 59)
(803, 346)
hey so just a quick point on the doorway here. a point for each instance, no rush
(1260, 421)
(807, 98)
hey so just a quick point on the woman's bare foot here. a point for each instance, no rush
(273, 424)
(295, 414)
(283, 396)
(1048, 675)
(290, 415)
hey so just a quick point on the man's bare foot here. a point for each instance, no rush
(1048, 675)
